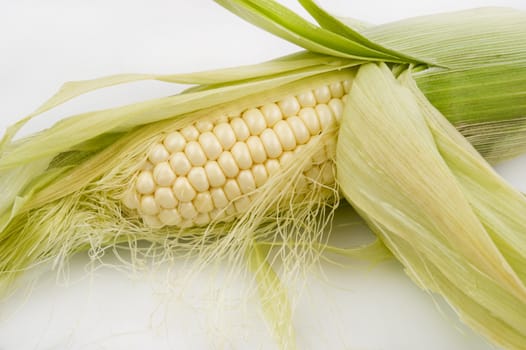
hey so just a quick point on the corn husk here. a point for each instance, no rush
(469, 64)
(457, 227)
(64, 184)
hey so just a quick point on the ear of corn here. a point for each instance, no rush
(451, 220)
(160, 170)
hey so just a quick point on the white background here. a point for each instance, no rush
(45, 43)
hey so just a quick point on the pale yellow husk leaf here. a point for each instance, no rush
(441, 209)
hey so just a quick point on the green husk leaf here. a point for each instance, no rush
(440, 208)
(70, 90)
(354, 23)
(491, 92)
(14, 183)
(335, 25)
(482, 91)
(286, 24)
(64, 135)
(496, 140)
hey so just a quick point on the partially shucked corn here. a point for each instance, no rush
(211, 170)
(254, 148)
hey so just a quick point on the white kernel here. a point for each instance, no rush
(271, 143)
(255, 121)
(322, 94)
(347, 86)
(180, 163)
(219, 198)
(307, 99)
(198, 179)
(301, 133)
(242, 204)
(345, 98)
(225, 135)
(246, 181)
(272, 166)
(336, 106)
(158, 154)
(232, 190)
(145, 183)
(174, 142)
(336, 89)
(241, 154)
(202, 219)
(227, 162)
(327, 120)
(260, 174)
(131, 199)
(183, 190)
(210, 145)
(310, 119)
(285, 135)
(240, 129)
(271, 113)
(152, 221)
(214, 174)
(165, 198)
(289, 106)
(187, 210)
(195, 154)
(286, 158)
(204, 126)
(190, 133)
(257, 150)
(149, 205)
(163, 174)
(203, 202)
(170, 217)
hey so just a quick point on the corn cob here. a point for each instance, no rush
(210, 170)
